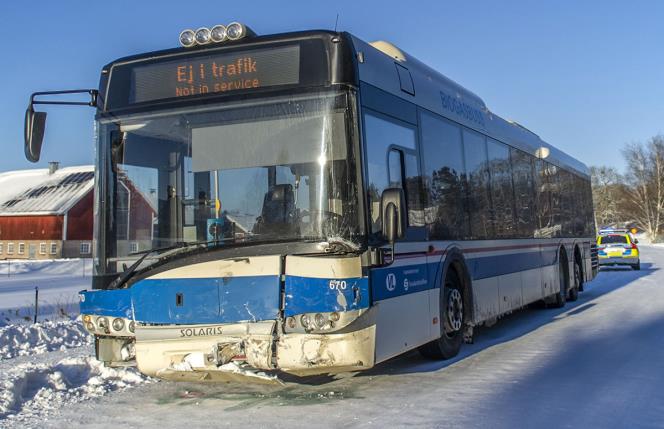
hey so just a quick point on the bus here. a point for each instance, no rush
(310, 203)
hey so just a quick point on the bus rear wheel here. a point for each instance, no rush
(560, 299)
(453, 321)
(578, 282)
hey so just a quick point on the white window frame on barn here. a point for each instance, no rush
(42, 248)
(10, 248)
(21, 248)
(54, 248)
(2, 248)
(133, 247)
(85, 248)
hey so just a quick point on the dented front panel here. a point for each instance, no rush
(324, 284)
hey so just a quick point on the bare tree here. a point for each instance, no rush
(607, 185)
(645, 178)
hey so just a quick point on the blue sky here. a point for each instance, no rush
(587, 77)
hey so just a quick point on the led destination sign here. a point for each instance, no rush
(216, 74)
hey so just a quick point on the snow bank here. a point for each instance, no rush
(24, 340)
(31, 389)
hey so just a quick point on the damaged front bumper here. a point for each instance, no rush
(233, 352)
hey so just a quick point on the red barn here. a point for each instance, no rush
(46, 213)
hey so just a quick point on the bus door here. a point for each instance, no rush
(400, 289)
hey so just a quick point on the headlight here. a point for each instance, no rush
(321, 320)
(132, 326)
(305, 320)
(102, 322)
(118, 324)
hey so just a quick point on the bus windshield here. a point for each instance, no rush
(256, 171)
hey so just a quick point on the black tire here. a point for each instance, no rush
(578, 282)
(561, 297)
(637, 267)
(453, 319)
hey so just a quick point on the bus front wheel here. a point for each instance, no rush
(453, 320)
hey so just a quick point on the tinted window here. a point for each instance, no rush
(502, 194)
(479, 203)
(523, 177)
(571, 217)
(613, 239)
(544, 213)
(553, 177)
(444, 171)
(391, 147)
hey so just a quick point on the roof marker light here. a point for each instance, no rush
(187, 38)
(218, 33)
(236, 31)
(203, 36)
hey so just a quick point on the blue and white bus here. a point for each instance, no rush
(311, 203)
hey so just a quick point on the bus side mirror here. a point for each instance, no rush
(35, 124)
(392, 209)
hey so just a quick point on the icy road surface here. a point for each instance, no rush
(598, 362)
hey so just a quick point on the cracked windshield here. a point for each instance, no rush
(256, 172)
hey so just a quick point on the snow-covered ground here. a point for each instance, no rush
(59, 282)
(598, 362)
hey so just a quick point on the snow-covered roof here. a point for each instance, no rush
(36, 192)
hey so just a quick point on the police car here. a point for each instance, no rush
(618, 247)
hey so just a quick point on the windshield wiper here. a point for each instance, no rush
(128, 272)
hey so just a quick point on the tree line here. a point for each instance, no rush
(635, 197)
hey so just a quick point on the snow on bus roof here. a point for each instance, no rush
(36, 192)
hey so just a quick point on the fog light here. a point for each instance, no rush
(132, 326)
(203, 36)
(236, 31)
(321, 321)
(218, 33)
(335, 317)
(291, 322)
(90, 326)
(118, 324)
(187, 38)
(305, 320)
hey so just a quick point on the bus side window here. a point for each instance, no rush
(502, 193)
(479, 201)
(444, 172)
(523, 177)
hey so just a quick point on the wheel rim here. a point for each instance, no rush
(454, 319)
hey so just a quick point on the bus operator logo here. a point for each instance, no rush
(391, 282)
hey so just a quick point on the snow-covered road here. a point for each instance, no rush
(598, 362)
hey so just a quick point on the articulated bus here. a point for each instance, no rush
(309, 203)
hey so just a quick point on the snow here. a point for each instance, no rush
(35, 389)
(598, 362)
(15, 183)
(59, 282)
(24, 340)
